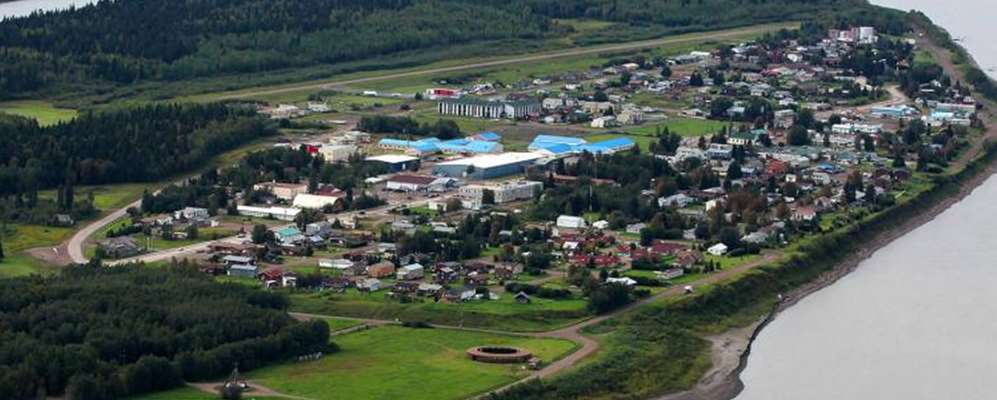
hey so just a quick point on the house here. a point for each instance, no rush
(120, 247)
(680, 200)
(571, 222)
(411, 272)
(429, 289)
(381, 270)
(289, 235)
(636, 228)
(237, 260)
(459, 294)
(192, 214)
(414, 183)
(340, 264)
(369, 285)
(243, 271)
(670, 273)
(804, 213)
(522, 298)
(718, 249)
(628, 282)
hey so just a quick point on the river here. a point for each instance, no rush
(970, 21)
(917, 319)
(26, 7)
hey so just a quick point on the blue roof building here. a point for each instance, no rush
(608, 146)
(542, 142)
(488, 136)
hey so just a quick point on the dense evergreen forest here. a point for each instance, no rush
(98, 333)
(127, 41)
(139, 144)
(132, 145)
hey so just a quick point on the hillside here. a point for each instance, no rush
(124, 42)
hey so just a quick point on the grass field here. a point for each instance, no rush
(43, 112)
(688, 127)
(392, 362)
(17, 238)
(504, 313)
(106, 197)
(644, 142)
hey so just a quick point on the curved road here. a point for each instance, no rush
(76, 243)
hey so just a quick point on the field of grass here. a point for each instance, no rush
(644, 142)
(182, 393)
(106, 197)
(504, 313)
(43, 112)
(17, 238)
(393, 362)
(688, 127)
(338, 324)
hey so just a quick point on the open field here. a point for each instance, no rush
(392, 362)
(17, 238)
(43, 112)
(687, 127)
(106, 197)
(183, 393)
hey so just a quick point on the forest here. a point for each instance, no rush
(130, 145)
(128, 41)
(101, 333)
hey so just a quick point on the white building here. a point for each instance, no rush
(571, 222)
(604, 122)
(315, 202)
(718, 249)
(410, 272)
(280, 213)
(472, 196)
(337, 153)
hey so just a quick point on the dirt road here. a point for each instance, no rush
(514, 60)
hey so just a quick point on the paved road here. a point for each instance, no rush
(76, 243)
(514, 60)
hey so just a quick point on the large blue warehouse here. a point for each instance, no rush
(487, 166)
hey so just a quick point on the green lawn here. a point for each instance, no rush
(43, 112)
(182, 393)
(392, 362)
(338, 324)
(504, 313)
(107, 197)
(644, 142)
(205, 234)
(688, 127)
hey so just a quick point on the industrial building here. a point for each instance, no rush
(279, 213)
(561, 145)
(487, 166)
(337, 152)
(417, 183)
(434, 145)
(396, 162)
(473, 196)
(478, 108)
(317, 202)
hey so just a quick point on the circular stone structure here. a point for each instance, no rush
(499, 355)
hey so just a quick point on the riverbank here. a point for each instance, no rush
(731, 349)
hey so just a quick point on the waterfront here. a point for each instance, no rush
(914, 321)
(970, 22)
(26, 7)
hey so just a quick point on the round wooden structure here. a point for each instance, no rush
(499, 355)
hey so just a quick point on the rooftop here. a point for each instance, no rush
(392, 158)
(495, 160)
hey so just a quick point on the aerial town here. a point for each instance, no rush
(796, 141)
(572, 206)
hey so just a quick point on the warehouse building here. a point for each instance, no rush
(473, 196)
(337, 152)
(487, 166)
(279, 213)
(478, 108)
(560, 145)
(396, 162)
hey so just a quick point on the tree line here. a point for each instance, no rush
(141, 144)
(115, 332)
(123, 42)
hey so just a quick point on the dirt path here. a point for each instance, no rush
(509, 61)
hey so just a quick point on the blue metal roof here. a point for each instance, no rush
(559, 139)
(606, 146)
(489, 136)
